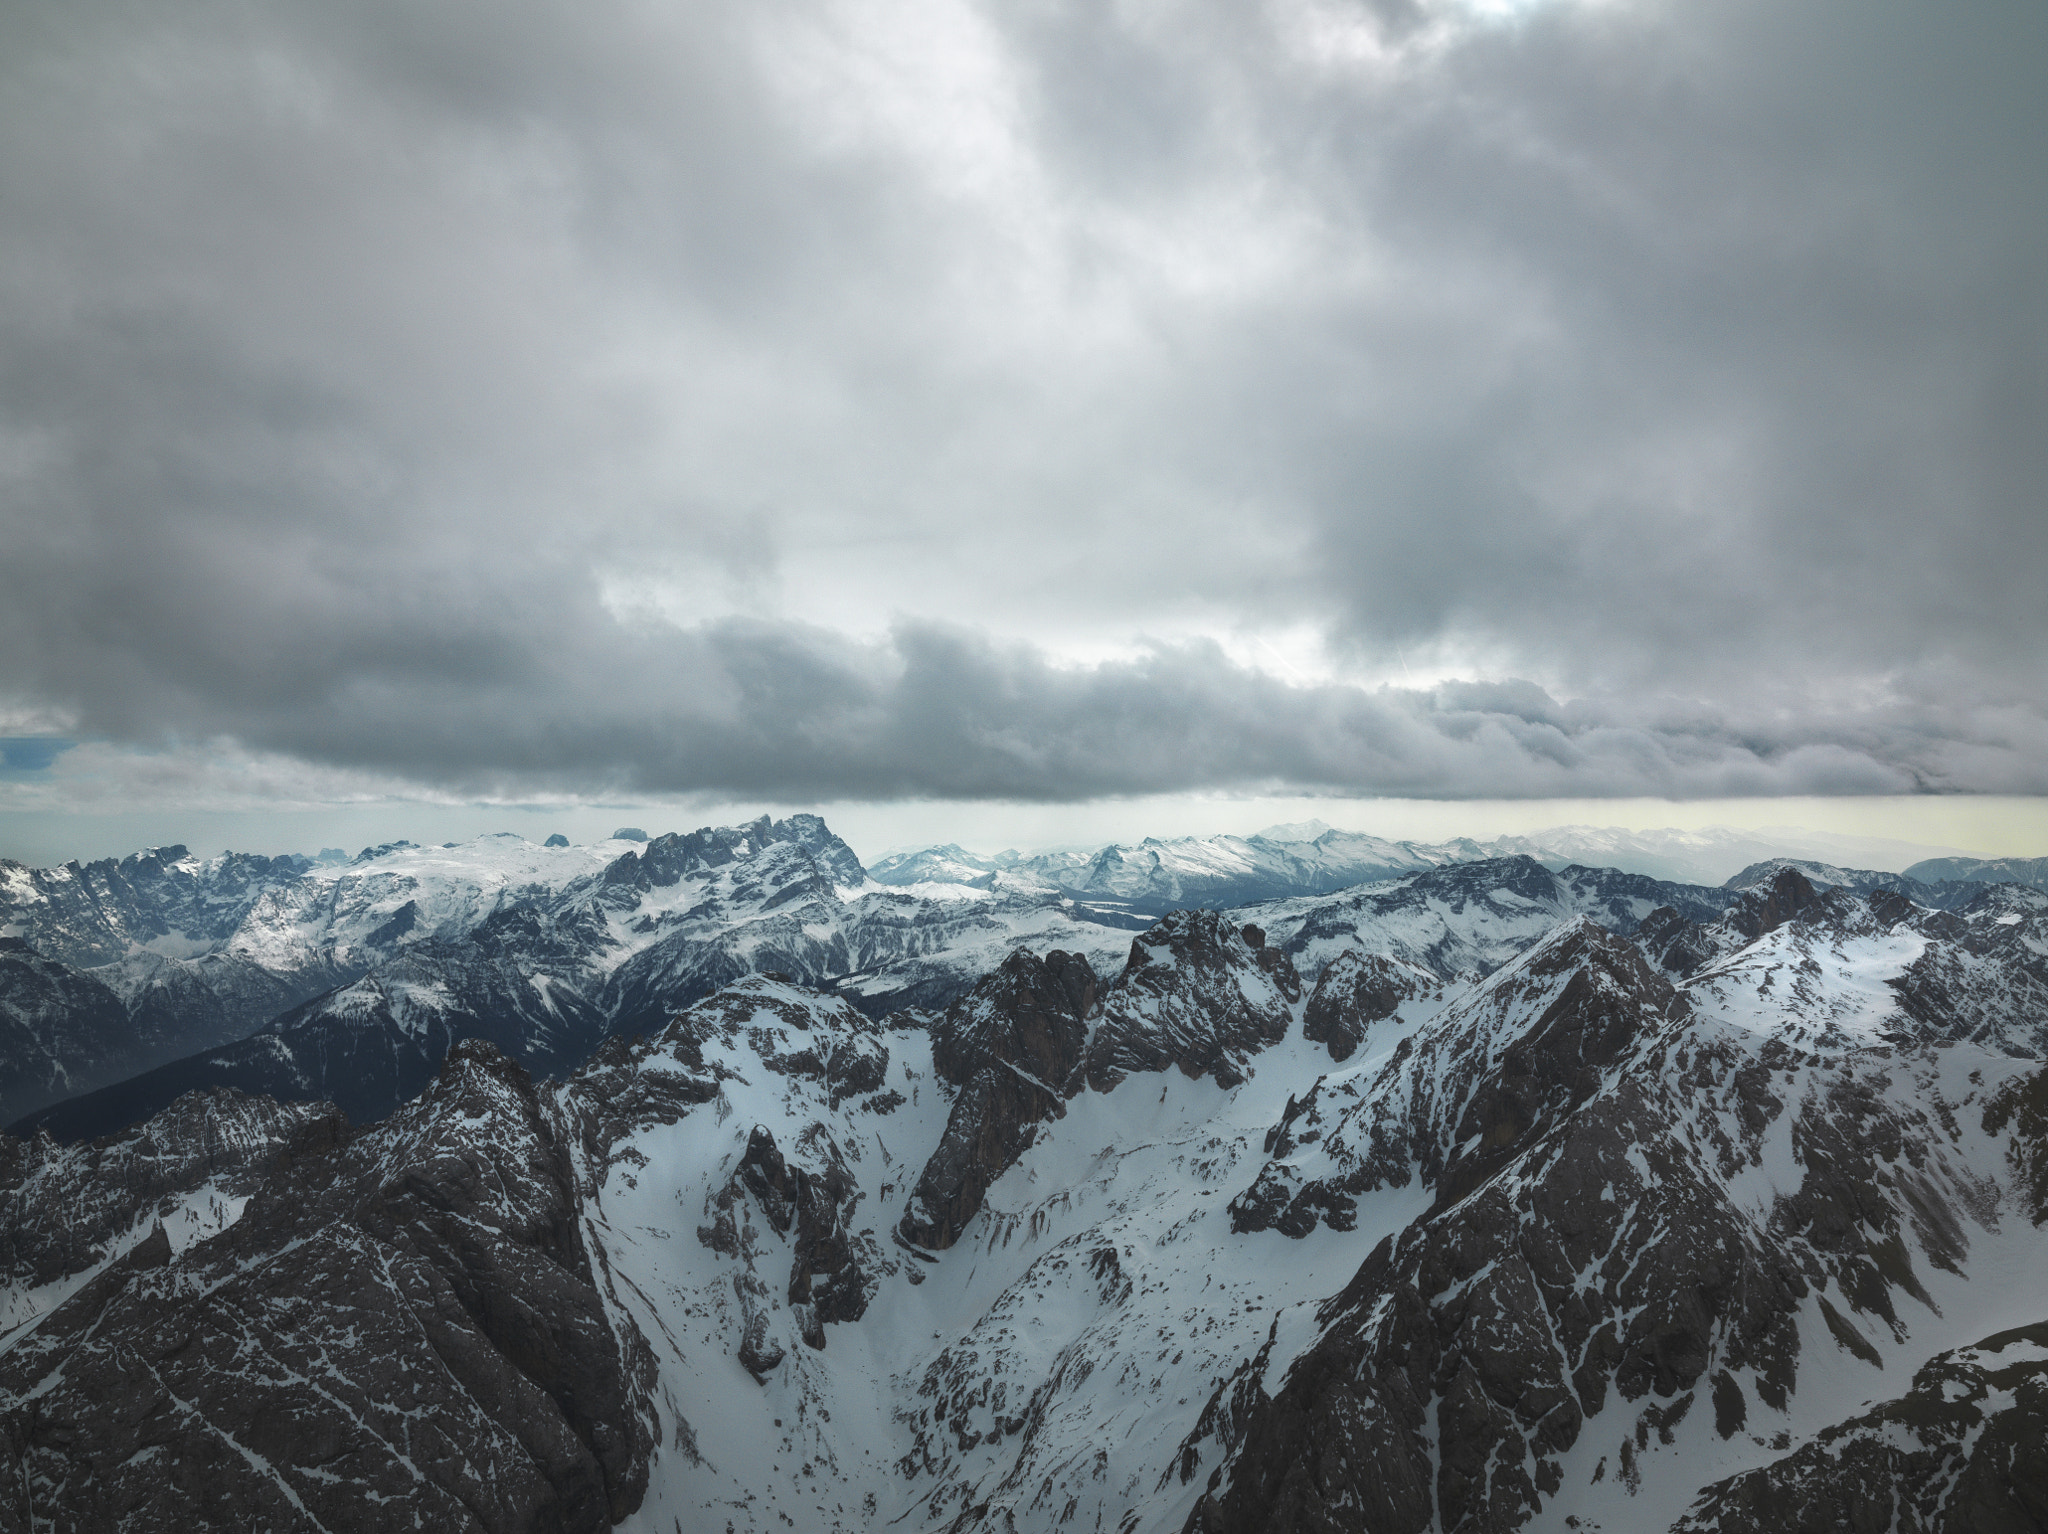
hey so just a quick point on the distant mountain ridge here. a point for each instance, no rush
(348, 978)
(2033, 871)
(1157, 875)
(374, 968)
(1938, 896)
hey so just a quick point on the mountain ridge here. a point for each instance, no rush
(1273, 1220)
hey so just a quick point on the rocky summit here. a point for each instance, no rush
(1487, 1196)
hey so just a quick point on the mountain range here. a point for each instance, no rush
(709, 1182)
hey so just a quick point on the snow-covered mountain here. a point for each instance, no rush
(1156, 876)
(1308, 858)
(349, 982)
(1939, 895)
(1496, 1199)
(347, 978)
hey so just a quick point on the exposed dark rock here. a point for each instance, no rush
(759, 1353)
(1673, 943)
(1355, 991)
(827, 1273)
(1965, 1450)
(65, 1209)
(1788, 895)
(1013, 1045)
(1470, 1345)
(430, 1274)
(1195, 995)
(2023, 1107)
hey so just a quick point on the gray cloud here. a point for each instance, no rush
(772, 709)
(700, 401)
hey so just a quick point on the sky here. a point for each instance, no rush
(1041, 416)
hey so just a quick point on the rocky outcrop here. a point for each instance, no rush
(1674, 944)
(1582, 1257)
(408, 1317)
(1966, 1449)
(1789, 894)
(67, 1210)
(1013, 1048)
(830, 1277)
(1355, 991)
(1198, 995)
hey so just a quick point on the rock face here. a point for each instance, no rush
(1197, 994)
(71, 1210)
(1966, 1448)
(410, 1314)
(1012, 1046)
(1584, 1135)
(1357, 990)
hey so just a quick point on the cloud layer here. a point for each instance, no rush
(790, 401)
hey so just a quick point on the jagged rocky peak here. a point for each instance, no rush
(1197, 993)
(1449, 1100)
(662, 861)
(1651, 1228)
(1788, 895)
(1680, 945)
(1013, 1046)
(1355, 991)
(1541, 1070)
(1031, 1013)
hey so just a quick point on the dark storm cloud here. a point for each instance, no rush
(354, 361)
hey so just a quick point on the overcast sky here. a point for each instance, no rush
(1035, 403)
